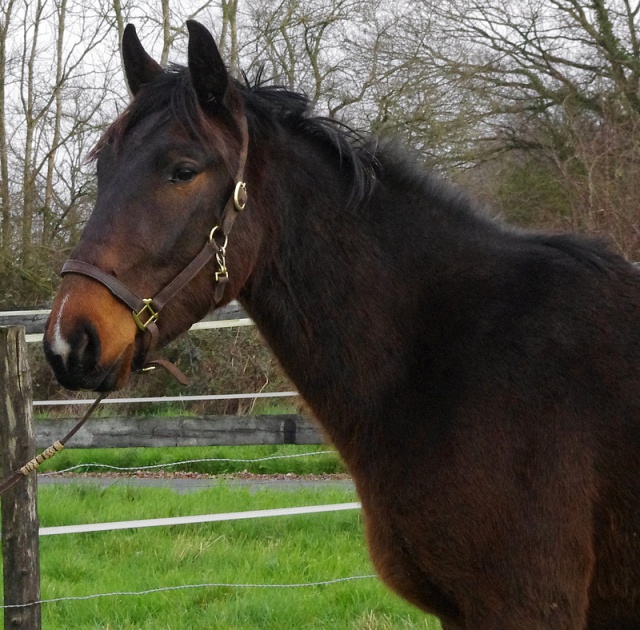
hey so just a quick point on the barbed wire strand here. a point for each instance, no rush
(181, 587)
(186, 461)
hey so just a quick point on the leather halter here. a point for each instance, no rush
(145, 311)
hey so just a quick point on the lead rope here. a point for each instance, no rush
(58, 445)
(48, 453)
(170, 368)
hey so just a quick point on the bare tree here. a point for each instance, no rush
(362, 61)
(229, 32)
(61, 14)
(6, 8)
(28, 97)
(54, 74)
(554, 83)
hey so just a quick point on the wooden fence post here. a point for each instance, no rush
(20, 544)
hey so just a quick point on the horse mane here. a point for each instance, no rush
(269, 108)
(277, 107)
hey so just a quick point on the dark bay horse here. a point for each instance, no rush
(482, 383)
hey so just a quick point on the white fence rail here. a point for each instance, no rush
(199, 518)
(33, 321)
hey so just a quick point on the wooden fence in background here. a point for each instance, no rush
(34, 320)
(124, 432)
(202, 430)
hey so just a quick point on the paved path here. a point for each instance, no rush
(183, 485)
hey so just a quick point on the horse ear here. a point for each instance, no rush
(139, 67)
(208, 72)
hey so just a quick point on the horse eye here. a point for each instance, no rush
(183, 174)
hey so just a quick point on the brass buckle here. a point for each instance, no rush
(240, 196)
(150, 316)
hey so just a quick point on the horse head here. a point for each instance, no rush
(170, 186)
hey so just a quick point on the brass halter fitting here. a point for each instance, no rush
(146, 315)
(240, 196)
(222, 275)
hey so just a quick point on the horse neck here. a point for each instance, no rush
(331, 294)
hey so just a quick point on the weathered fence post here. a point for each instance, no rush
(20, 545)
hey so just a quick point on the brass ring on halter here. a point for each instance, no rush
(240, 196)
(223, 247)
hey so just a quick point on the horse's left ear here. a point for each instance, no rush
(208, 72)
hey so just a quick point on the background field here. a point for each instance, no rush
(270, 551)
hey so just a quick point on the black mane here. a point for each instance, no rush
(275, 106)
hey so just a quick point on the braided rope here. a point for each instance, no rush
(48, 453)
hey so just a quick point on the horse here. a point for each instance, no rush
(480, 381)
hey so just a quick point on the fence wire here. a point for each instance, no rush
(186, 461)
(182, 587)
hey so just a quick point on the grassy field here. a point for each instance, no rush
(270, 551)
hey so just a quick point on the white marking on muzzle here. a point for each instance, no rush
(59, 345)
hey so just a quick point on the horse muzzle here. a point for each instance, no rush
(90, 337)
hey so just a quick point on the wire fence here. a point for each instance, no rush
(208, 585)
(182, 587)
(203, 460)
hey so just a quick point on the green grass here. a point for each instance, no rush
(133, 457)
(279, 550)
(274, 407)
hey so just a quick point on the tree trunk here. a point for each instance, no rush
(28, 172)
(166, 33)
(5, 214)
(47, 218)
(230, 29)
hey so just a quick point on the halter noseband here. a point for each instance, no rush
(145, 311)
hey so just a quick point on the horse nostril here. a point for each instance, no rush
(74, 358)
(87, 347)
